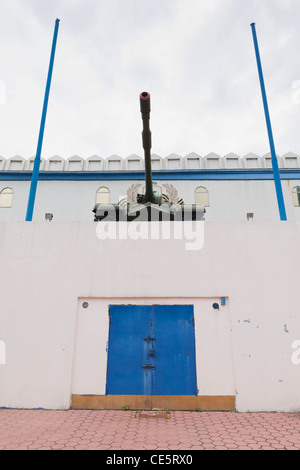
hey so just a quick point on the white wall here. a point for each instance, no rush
(47, 268)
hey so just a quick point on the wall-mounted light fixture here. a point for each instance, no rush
(48, 216)
(250, 215)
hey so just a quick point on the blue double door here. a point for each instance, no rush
(151, 350)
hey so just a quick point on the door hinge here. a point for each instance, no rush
(148, 366)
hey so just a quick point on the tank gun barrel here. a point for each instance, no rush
(146, 137)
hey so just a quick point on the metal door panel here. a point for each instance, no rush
(174, 358)
(127, 350)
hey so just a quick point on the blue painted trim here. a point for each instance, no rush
(37, 160)
(279, 193)
(164, 175)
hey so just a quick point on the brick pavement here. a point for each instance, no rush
(131, 430)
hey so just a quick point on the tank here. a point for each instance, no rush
(149, 206)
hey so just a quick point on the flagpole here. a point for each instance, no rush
(37, 160)
(279, 193)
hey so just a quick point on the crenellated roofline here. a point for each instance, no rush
(172, 162)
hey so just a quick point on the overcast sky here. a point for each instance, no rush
(195, 57)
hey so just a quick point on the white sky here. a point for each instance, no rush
(195, 57)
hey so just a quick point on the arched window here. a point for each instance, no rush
(6, 197)
(201, 196)
(296, 196)
(102, 196)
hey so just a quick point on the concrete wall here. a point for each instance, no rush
(246, 349)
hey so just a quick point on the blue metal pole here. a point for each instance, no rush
(37, 160)
(276, 173)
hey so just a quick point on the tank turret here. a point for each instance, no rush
(148, 206)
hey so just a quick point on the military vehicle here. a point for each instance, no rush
(148, 206)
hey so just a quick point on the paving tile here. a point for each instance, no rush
(116, 430)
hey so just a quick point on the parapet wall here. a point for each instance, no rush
(192, 161)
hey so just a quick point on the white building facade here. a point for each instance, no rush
(215, 327)
(232, 188)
